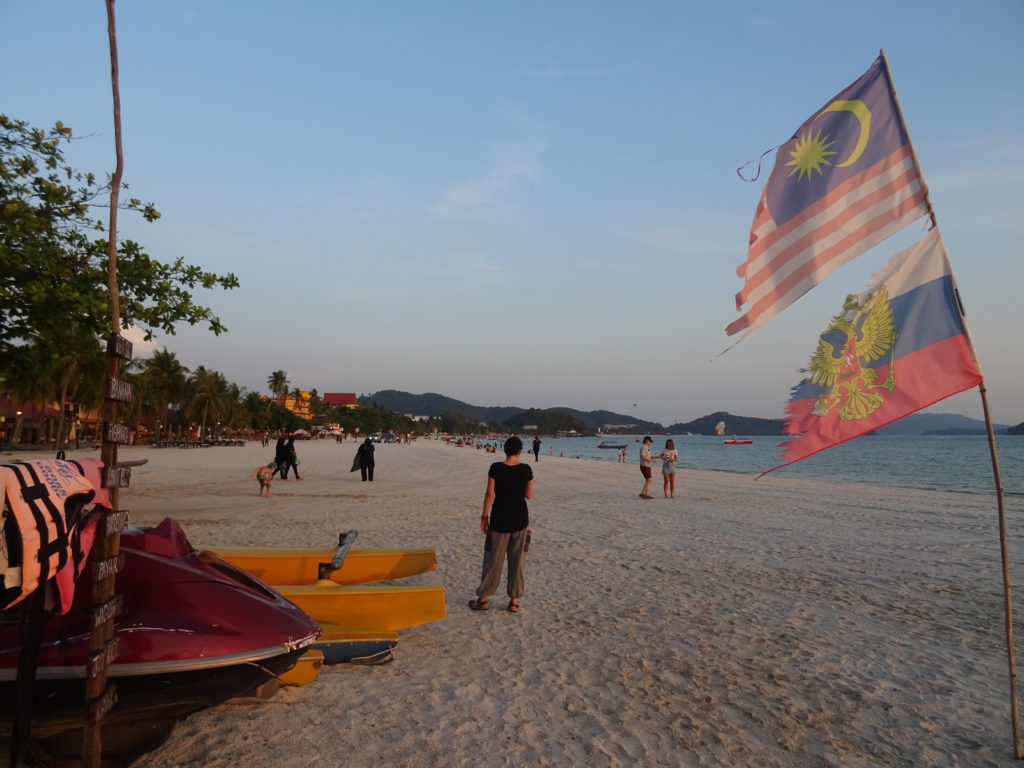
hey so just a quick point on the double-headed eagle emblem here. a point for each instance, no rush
(858, 336)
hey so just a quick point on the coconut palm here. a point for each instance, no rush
(168, 379)
(29, 375)
(207, 401)
(278, 383)
(80, 375)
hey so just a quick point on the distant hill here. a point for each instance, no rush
(604, 420)
(547, 421)
(433, 404)
(734, 425)
(937, 424)
(1018, 430)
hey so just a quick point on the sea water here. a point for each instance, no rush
(959, 463)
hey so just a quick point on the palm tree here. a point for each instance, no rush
(168, 379)
(29, 375)
(207, 397)
(278, 383)
(81, 377)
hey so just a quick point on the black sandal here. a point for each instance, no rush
(513, 605)
(479, 605)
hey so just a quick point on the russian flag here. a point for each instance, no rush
(900, 346)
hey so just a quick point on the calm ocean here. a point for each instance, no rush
(959, 463)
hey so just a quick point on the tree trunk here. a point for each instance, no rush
(63, 411)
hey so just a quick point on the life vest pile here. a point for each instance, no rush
(43, 528)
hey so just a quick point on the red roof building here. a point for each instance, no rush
(335, 399)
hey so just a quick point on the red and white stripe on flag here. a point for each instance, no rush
(784, 262)
(843, 183)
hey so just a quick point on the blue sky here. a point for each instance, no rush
(527, 203)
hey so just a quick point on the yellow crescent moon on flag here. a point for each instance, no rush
(863, 115)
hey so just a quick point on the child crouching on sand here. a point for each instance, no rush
(264, 475)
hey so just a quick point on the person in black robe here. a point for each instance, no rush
(365, 457)
(281, 458)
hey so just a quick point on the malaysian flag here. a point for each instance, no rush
(843, 183)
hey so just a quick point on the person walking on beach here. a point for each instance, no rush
(669, 457)
(645, 467)
(536, 449)
(365, 458)
(509, 485)
(281, 458)
(291, 458)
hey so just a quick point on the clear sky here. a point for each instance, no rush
(526, 203)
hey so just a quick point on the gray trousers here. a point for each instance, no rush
(496, 547)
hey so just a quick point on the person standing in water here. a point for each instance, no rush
(505, 522)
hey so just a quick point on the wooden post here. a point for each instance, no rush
(103, 647)
(910, 141)
(1011, 647)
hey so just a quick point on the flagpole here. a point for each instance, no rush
(1018, 751)
(910, 140)
(1011, 652)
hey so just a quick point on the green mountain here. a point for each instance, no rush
(734, 425)
(433, 404)
(1018, 430)
(612, 423)
(547, 421)
(938, 424)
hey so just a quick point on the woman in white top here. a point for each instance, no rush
(669, 457)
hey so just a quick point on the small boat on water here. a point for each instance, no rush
(734, 441)
(603, 444)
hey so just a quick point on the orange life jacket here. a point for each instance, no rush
(42, 516)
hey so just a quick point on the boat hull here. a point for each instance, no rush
(379, 607)
(192, 631)
(300, 566)
(146, 709)
(342, 644)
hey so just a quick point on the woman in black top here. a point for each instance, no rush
(509, 485)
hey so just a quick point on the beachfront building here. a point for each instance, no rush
(341, 399)
(296, 402)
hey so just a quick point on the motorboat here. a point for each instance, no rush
(193, 631)
(734, 441)
(604, 444)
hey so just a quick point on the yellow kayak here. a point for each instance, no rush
(381, 607)
(300, 566)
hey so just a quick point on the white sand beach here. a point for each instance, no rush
(778, 623)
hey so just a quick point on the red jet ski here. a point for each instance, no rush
(194, 631)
